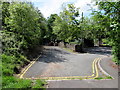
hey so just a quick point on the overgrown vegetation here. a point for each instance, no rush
(102, 26)
(107, 77)
(24, 28)
(13, 82)
(111, 25)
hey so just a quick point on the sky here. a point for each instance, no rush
(48, 7)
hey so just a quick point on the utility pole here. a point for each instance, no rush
(82, 17)
(82, 35)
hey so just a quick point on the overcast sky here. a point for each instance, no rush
(48, 7)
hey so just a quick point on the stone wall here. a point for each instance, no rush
(71, 46)
(74, 47)
(61, 44)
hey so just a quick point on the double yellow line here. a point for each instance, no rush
(95, 73)
(95, 69)
(26, 69)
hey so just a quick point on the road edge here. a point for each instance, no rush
(102, 70)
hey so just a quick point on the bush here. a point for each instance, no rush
(116, 53)
(12, 64)
(39, 84)
(6, 80)
(22, 30)
(8, 65)
(13, 82)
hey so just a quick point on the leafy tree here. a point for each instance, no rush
(69, 15)
(84, 28)
(50, 23)
(23, 28)
(43, 26)
(23, 22)
(112, 12)
(5, 13)
(100, 25)
(65, 25)
(60, 29)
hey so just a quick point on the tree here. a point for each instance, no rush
(23, 29)
(100, 25)
(60, 29)
(112, 12)
(43, 26)
(65, 25)
(50, 23)
(23, 22)
(5, 13)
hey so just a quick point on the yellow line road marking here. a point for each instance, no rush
(96, 68)
(94, 62)
(94, 71)
(93, 67)
(27, 69)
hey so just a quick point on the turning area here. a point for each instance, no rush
(58, 64)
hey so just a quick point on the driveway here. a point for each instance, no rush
(59, 63)
(56, 62)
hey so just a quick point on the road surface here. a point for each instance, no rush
(57, 62)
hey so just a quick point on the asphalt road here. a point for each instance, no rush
(107, 65)
(56, 62)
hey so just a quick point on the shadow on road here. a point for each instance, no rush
(99, 50)
(53, 55)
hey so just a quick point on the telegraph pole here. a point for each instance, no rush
(82, 17)
(82, 35)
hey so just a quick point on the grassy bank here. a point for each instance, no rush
(11, 65)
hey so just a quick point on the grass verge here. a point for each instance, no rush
(107, 77)
(11, 66)
(13, 82)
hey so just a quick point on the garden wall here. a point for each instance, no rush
(74, 47)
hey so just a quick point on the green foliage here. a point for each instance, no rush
(38, 84)
(19, 84)
(99, 25)
(106, 41)
(65, 25)
(60, 29)
(23, 23)
(85, 28)
(50, 23)
(13, 82)
(23, 29)
(107, 77)
(9, 63)
(5, 12)
(111, 12)
(10, 44)
(6, 80)
(99, 78)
